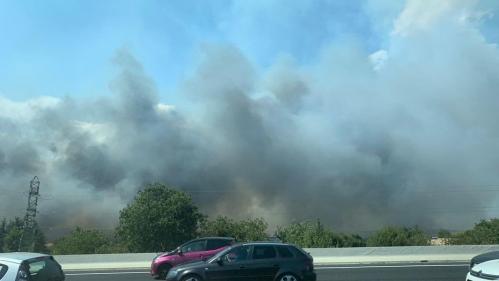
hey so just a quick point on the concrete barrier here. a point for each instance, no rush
(398, 254)
(105, 261)
(322, 256)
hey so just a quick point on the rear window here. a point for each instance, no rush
(44, 270)
(3, 270)
(299, 253)
(217, 243)
(284, 252)
(264, 252)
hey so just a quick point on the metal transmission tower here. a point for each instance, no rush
(29, 219)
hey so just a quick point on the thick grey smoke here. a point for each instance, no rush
(406, 135)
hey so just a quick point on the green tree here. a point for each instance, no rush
(483, 233)
(159, 218)
(398, 236)
(244, 230)
(3, 232)
(352, 240)
(13, 230)
(443, 233)
(114, 247)
(81, 241)
(310, 234)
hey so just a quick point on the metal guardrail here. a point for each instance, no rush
(322, 256)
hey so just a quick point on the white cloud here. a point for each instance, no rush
(164, 108)
(100, 132)
(378, 59)
(421, 15)
(24, 111)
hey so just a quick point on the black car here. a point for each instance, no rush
(259, 261)
(484, 257)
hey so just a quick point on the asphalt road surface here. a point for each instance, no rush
(407, 272)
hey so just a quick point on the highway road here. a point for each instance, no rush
(402, 272)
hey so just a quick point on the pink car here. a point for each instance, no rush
(194, 250)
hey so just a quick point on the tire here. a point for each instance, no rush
(163, 271)
(192, 277)
(288, 277)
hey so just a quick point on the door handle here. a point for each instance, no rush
(242, 266)
(275, 265)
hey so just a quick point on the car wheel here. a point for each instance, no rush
(288, 277)
(192, 278)
(163, 271)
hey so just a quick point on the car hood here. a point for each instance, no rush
(165, 254)
(486, 256)
(489, 267)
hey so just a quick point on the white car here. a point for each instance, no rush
(484, 271)
(29, 267)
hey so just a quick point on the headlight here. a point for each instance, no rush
(480, 274)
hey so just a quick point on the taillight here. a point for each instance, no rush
(309, 265)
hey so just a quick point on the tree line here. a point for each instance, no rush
(161, 218)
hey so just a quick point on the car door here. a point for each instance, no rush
(264, 264)
(231, 266)
(192, 251)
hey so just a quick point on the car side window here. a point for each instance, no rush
(195, 246)
(297, 252)
(214, 244)
(237, 254)
(3, 270)
(284, 252)
(35, 267)
(264, 252)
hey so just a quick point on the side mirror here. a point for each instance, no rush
(220, 261)
(180, 253)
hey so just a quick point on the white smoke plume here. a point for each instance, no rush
(404, 135)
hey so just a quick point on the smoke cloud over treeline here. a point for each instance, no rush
(404, 135)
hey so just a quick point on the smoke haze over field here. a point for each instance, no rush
(406, 135)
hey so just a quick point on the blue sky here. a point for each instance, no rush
(58, 48)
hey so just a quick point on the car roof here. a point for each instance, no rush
(214, 237)
(265, 243)
(18, 257)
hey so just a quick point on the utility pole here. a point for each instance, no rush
(29, 219)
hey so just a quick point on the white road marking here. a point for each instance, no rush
(106, 273)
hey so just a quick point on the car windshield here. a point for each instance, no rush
(219, 254)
